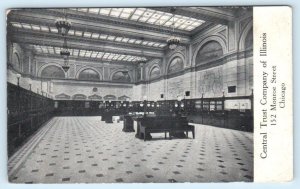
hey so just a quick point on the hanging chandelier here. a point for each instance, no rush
(65, 53)
(143, 60)
(173, 41)
(63, 26)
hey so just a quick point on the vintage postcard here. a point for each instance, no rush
(149, 94)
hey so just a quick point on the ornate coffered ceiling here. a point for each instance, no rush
(113, 34)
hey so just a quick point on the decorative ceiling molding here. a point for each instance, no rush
(73, 44)
(209, 14)
(42, 16)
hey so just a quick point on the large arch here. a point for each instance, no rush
(216, 38)
(154, 71)
(175, 64)
(79, 97)
(118, 75)
(16, 61)
(243, 36)
(52, 70)
(109, 97)
(88, 68)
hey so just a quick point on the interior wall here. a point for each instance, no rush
(86, 88)
(235, 69)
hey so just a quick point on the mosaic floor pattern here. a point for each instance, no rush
(87, 150)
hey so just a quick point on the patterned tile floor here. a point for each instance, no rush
(87, 150)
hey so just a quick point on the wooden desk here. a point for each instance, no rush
(176, 126)
(128, 124)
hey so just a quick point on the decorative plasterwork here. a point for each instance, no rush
(220, 40)
(79, 97)
(88, 67)
(95, 97)
(46, 64)
(62, 96)
(109, 97)
(244, 35)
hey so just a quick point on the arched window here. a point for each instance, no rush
(121, 76)
(210, 50)
(89, 74)
(249, 40)
(155, 72)
(79, 97)
(175, 65)
(53, 71)
(16, 61)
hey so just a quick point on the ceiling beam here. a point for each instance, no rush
(81, 24)
(208, 14)
(98, 42)
(84, 60)
(75, 44)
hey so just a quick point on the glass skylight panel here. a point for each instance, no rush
(95, 35)
(125, 58)
(35, 27)
(105, 11)
(150, 43)
(87, 34)
(94, 54)
(124, 15)
(118, 39)
(138, 41)
(111, 38)
(26, 26)
(105, 55)
(82, 52)
(75, 52)
(156, 44)
(135, 17)
(57, 50)
(71, 32)
(110, 57)
(129, 10)
(139, 11)
(190, 28)
(78, 33)
(53, 30)
(103, 36)
(16, 24)
(94, 10)
(152, 20)
(44, 49)
(115, 12)
(182, 26)
(125, 40)
(45, 28)
(100, 54)
(88, 54)
(82, 9)
(51, 51)
(131, 41)
(117, 56)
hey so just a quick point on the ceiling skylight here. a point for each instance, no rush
(90, 35)
(146, 15)
(88, 54)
